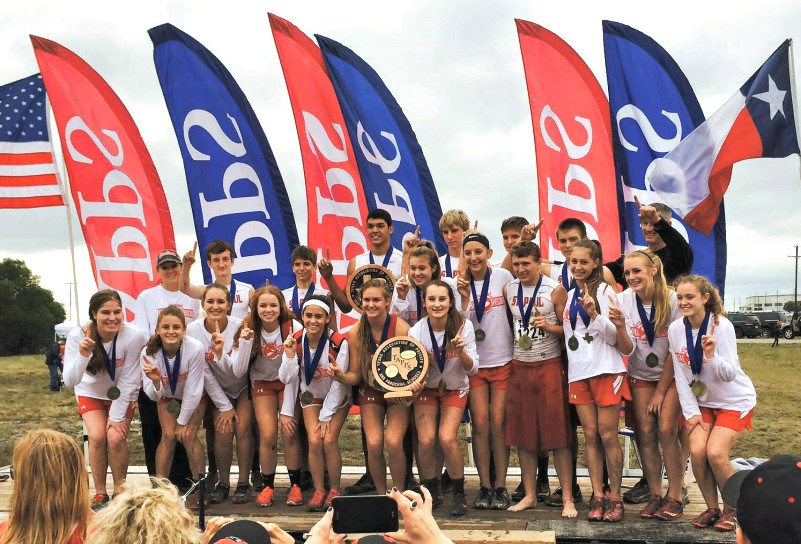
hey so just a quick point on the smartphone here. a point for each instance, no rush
(365, 514)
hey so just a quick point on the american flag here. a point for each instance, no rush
(27, 173)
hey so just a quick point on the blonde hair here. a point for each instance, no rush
(365, 333)
(50, 495)
(145, 514)
(715, 304)
(661, 300)
(454, 218)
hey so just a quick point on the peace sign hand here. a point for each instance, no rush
(87, 344)
(709, 342)
(529, 232)
(290, 347)
(217, 341)
(616, 316)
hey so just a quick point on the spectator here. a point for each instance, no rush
(776, 333)
(768, 500)
(55, 364)
(50, 496)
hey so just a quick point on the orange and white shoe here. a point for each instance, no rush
(99, 502)
(295, 497)
(265, 497)
(316, 503)
(333, 492)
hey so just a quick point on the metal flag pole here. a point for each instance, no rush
(794, 97)
(61, 177)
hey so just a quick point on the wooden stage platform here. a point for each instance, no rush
(541, 525)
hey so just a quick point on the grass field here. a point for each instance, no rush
(26, 403)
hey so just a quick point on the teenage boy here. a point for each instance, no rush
(304, 261)
(453, 224)
(537, 417)
(220, 259)
(148, 305)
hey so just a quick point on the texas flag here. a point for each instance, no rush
(758, 121)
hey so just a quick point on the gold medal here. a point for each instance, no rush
(525, 342)
(306, 398)
(113, 392)
(573, 343)
(698, 388)
(652, 361)
(441, 386)
(173, 407)
(480, 335)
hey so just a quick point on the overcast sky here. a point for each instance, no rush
(455, 69)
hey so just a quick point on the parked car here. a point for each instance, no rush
(793, 328)
(771, 321)
(745, 325)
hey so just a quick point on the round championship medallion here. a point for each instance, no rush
(113, 392)
(398, 364)
(480, 335)
(698, 388)
(173, 407)
(652, 361)
(525, 342)
(572, 343)
(362, 275)
(306, 398)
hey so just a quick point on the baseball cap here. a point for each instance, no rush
(768, 500)
(242, 531)
(168, 256)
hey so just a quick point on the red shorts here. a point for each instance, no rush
(537, 412)
(90, 404)
(496, 377)
(730, 419)
(603, 390)
(446, 399)
(369, 395)
(264, 388)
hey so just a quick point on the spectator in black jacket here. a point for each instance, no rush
(55, 364)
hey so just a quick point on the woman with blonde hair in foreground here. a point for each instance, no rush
(50, 495)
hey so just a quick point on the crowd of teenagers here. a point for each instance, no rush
(526, 351)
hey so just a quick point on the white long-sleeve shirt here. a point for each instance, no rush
(454, 374)
(637, 366)
(333, 393)
(727, 386)
(599, 356)
(151, 301)
(191, 379)
(498, 347)
(406, 308)
(130, 341)
(221, 382)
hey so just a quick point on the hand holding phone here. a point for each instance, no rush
(365, 514)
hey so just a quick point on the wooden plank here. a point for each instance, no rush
(647, 531)
(507, 537)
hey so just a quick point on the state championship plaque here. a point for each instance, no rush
(399, 364)
(360, 276)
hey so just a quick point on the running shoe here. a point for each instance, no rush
(265, 497)
(317, 501)
(295, 497)
(242, 494)
(99, 502)
(483, 499)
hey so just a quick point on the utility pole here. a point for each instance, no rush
(795, 290)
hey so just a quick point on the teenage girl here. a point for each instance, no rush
(716, 396)
(102, 364)
(324, 402)
(596, 335)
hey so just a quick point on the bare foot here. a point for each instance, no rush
(569, 509)
(526, 503)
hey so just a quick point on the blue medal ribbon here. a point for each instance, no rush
(439, 354)
(232, 290)
(385, 264)
(480, 302)
(419, 298)
(111, 364)
(563, 278)
(172, 373)
(384, 334)
(310, 363)
(577, 309)
(448, 269)
(296, 306)
(695, 350)
(647, 320)
(526, 314)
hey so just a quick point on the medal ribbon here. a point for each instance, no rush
(172, 373)
(448, 269)
(479, 303)
(384, 334)
(577, 309)
(563, 278)
(647, 320)
(526, 315)
(310, 364)
(296, 306)
(232, 290)
(385, 264)
(111, 364)
(439, 355)
(695, 351)
(419, 298)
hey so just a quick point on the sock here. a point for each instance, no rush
(269, 480)
(294, 477)
(458, 485)
(542, 469)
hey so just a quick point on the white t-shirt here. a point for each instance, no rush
(600, 355)
(562, 274)
(127, 364)
(407, 308)
(223, 377)
(447, 258)
(240, 299)
(454, 374)
(637, 359)
(151, 301)
(544, 345)
(301, 296)
(497, 347)
(727, 386)
(394, 266)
